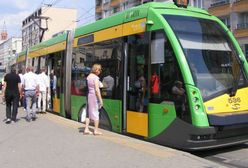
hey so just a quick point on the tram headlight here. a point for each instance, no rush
(201, 137)
(193, 92)
(197, 107)
(195, 99)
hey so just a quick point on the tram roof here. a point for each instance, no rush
(117, 19)
(124, 17)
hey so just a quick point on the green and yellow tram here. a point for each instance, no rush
(180, 77)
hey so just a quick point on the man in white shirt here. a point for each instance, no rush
(31, 89)
(109, 82)
(43, 80)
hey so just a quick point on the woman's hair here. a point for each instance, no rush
(96, 67)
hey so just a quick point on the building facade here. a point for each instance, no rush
(45, 23)
(105, 8)
(8, 52)
(234, 13)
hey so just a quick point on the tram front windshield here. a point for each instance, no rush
(214, 63)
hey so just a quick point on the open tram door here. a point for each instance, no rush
(54, 73)
(50, 68)
(136, 97)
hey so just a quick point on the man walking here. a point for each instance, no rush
(11, 93)
(31, 88)
(43, 86)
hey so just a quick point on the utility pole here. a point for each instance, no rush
(43, 29)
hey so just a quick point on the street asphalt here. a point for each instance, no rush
(55, 142)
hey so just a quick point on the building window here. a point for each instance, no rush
(226, 21)
(219, 2)
(246, 18)
(39, 12)
(198, 3)
(243, 21)
(117, 9)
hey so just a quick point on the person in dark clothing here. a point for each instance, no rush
(11, 93)
(53, 82)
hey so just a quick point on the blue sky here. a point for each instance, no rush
(13, 12)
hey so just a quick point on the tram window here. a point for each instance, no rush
(42, 61)
(166, 83)
(58, 71)
(54, 61)
(137, 97)
(164, 68)
(108, 54)
(82, 57)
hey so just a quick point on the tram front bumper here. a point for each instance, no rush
(182, 135)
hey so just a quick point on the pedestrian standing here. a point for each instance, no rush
(31, 89)
(94, 99)
(43, 86)
(11, 93)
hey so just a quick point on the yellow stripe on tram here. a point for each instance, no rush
(48, 50)
(125, 29)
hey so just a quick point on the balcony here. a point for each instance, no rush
(240, 6)
(98, 9)
(220, 8)
(241, 31)
(115, 2)
(242, 26)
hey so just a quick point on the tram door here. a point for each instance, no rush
(54, 73)
(50, 70)
(137, 80)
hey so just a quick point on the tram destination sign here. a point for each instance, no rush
(86, 39)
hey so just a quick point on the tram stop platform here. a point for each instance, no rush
(55, 142)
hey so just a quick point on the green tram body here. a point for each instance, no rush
(129, 37)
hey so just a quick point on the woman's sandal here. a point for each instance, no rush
(88, 133)
(97, 133)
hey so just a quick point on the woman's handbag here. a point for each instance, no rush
(83, 114)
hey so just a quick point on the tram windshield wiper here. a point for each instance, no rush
(234, 88)
(236, 70)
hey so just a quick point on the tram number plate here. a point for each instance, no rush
(234, 100)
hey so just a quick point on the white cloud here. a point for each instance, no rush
(22, 4)
(18, 4)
